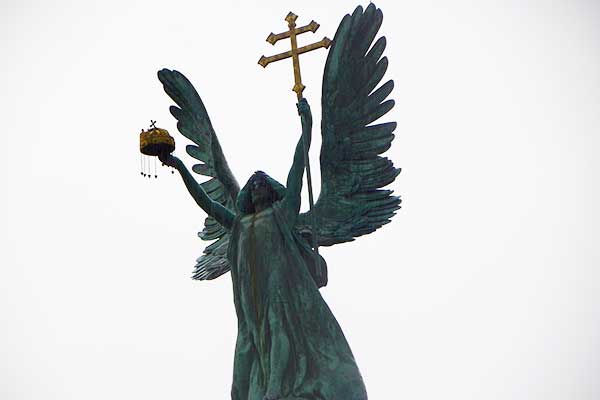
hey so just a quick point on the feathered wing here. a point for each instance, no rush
(352, 203)
(194, 124)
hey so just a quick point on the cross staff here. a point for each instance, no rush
(295, 52)
(299, 88)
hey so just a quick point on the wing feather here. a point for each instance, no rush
(194, 123)
(352, 202)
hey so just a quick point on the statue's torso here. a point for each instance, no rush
(261, 262)
(260, 222)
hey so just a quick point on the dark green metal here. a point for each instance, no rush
(289, 344)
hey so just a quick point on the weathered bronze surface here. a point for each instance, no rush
(289, 345)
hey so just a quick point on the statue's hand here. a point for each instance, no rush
(303, 108)
(168, 159)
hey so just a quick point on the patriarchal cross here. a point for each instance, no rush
(299, 88)
(295, 52)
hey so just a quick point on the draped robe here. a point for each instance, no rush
(283, 322)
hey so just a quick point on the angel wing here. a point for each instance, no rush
(351, 203)
(194, 124)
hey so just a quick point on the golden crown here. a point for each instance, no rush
(156, 141)
(153, 142)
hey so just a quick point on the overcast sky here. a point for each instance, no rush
(485, 286)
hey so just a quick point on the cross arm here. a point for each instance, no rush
(274, 38)
(264, 61)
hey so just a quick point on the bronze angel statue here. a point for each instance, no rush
(289, 345)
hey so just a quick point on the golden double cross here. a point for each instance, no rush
(295, 52)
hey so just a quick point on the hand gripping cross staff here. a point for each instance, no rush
(299, 88)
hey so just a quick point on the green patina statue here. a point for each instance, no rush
(289, 345)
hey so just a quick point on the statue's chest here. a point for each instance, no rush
(259, 232)
(260, 250)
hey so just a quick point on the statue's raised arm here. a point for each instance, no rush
(291, 201)
(213, 208)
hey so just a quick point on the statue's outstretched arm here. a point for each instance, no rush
(292, 199)
(223, 216)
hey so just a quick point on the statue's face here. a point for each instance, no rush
(260, 190)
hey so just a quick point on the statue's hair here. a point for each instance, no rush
(244, 198)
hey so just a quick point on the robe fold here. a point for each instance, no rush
(289, 345)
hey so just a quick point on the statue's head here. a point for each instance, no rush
(260, 191)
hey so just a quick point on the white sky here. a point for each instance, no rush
(484, 286)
